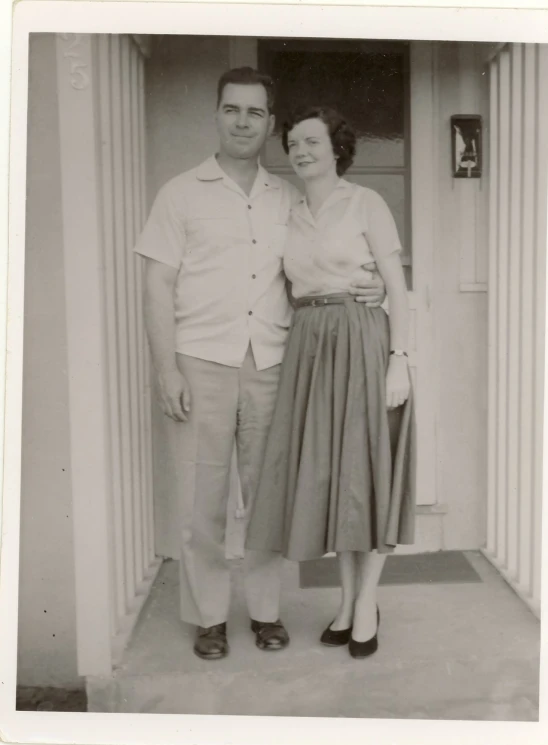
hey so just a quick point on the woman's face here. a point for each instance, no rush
(310, 150)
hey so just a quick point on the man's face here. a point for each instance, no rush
(243, 121)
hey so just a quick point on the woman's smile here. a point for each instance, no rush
(309, 145)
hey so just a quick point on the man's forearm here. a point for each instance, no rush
(159, 311)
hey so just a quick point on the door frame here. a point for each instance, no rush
(424, 210)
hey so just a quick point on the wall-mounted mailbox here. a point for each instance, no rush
(466, 149)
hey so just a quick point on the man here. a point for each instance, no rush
(217, 314)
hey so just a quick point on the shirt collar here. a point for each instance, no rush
(266, 178)
(210, 170)
(343, 184)
(338, 193)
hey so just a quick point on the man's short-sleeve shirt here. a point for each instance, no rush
(228, 250)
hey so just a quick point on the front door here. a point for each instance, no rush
(384, 90)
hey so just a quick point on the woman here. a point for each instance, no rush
(338, 468)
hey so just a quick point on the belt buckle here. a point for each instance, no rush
(313, 303)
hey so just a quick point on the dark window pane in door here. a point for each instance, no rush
(367, 88)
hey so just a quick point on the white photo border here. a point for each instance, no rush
(494, 22)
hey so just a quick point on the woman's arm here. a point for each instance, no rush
(381, 233)
(397, 377)
(391, 271)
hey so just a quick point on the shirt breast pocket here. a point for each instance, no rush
(212, 232)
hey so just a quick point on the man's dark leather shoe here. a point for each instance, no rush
(211, 643)
(270, 636)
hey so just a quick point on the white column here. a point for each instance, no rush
(108, 207)
(540, 310)
(503, 192)
(492, 452)
(88, 395)
(515, 214)
(527, 352)
(517, 279)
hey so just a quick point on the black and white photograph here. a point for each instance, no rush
(269, 468)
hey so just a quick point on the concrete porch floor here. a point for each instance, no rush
(447, 651)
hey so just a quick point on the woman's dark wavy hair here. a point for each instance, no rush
(343, 138)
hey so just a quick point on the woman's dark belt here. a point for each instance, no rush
(320, 300)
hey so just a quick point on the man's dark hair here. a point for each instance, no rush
(247, 76)
(343, 139)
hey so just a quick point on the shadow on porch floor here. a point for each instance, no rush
(447, 651)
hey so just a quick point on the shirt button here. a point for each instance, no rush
(250, 312)
(248, 206)
(253, 276)
(253, 241)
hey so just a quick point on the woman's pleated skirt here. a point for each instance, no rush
(339, 467)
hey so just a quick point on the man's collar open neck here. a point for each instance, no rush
(237, 167)
(210, 170)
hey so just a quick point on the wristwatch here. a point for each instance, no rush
(398, 352)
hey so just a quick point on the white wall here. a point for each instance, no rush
(181, 84)
(47, 622)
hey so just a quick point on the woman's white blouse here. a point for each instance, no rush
(325, 254)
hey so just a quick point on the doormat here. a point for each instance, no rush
(407, 569)
(50, 699)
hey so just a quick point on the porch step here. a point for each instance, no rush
(428, 664)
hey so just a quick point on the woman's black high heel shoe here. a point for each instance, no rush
(335, 638)
(359, 650)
